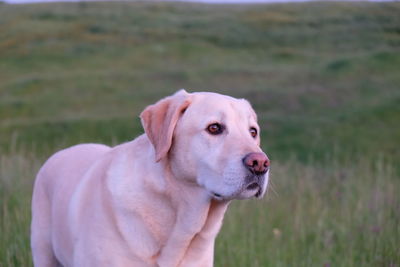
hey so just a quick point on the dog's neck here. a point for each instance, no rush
(196, 227)
(198, 220)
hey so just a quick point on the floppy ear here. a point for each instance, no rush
(159, 121)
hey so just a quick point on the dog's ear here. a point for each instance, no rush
(159, 121)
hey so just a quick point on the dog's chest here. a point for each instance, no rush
(157, 214)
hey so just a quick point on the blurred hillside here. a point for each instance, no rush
(323, 77)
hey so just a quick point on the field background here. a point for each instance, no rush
(324, 79)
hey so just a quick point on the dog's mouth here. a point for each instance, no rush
(255, 187)
(251, 190)
(258, 194)
(217, 196)
(252, 186)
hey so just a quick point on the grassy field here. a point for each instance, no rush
(323, 77)
(336, 215)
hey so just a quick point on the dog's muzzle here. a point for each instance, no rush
(255, 183)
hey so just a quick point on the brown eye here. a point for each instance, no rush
(253, 132)
(215, 128)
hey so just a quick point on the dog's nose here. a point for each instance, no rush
(256, 162)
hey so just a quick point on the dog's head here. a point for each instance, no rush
(212, 140)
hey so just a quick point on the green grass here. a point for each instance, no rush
(16, 180)
(315, 72)
(341, 215)
(313, 215)
(322, 76)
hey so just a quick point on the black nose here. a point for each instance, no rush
(256, 162)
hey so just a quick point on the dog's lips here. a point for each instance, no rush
(251, 189)
(217, 196)
(258, 194)
(253, 186)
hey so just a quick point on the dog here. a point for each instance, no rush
(158, 200)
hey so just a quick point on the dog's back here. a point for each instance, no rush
(54, 185)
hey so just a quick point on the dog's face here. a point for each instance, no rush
(216, 144)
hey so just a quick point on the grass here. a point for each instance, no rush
(322, 76)
(341, 215)
(16, 181)
(313, 215)
(311, 70)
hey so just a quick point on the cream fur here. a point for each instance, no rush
(158, 200)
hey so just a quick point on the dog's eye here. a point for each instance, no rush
(253, 132)
(215, 128)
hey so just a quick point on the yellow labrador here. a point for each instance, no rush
(158, 200)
